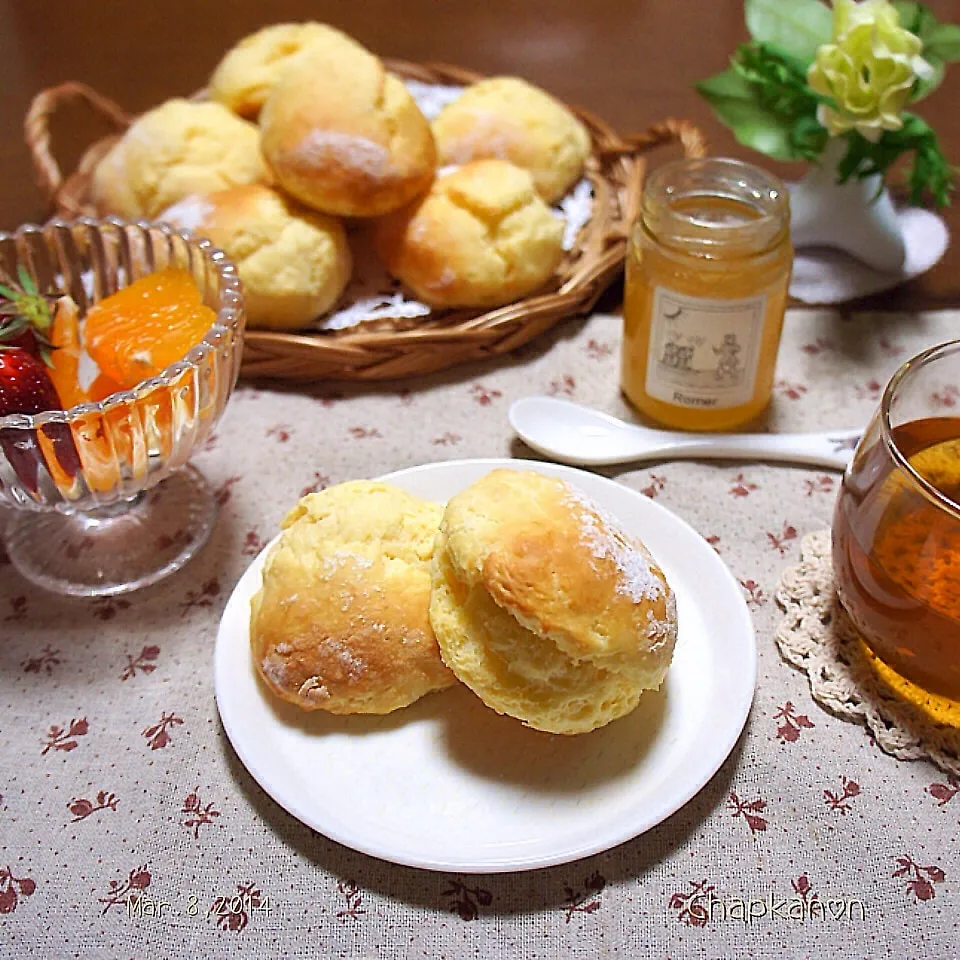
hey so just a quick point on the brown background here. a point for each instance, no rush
(631, 61)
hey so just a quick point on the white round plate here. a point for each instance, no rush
(447, 784)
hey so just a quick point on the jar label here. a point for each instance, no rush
(703, 352)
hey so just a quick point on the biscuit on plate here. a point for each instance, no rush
(509, 119)
(346, 139)
(544, 607)
(294, 262)
(249, 71)
(481, 237)
(341, 622)
(176, 149)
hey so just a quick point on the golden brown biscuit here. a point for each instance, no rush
(250, 70)
(341, 622)
(345, 141)
(509, 119)
(544, 607)
(294, 262)
(179, 148)
(481, 237)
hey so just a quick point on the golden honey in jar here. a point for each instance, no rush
(706, 288)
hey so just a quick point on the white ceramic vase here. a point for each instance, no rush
(857, 216)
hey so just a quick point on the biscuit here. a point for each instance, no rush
(481, 237)
(177, 149)
(347, 140)
(341, 622)
(509, 119)
(294, 262)
(544, 607)
(248, 72)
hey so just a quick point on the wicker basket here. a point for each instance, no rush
(446, 337)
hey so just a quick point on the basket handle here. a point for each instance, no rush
(671, 130)
(36, 128)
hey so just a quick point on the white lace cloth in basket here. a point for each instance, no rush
(816, 636)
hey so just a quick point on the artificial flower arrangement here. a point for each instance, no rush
(810, 77)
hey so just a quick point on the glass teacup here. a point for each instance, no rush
(896, 530)
(102, 499)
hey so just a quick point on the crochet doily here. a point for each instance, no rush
(816, 636)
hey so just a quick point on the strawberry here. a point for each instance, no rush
(25, 315)
(25, 387)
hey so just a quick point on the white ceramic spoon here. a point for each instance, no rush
(578, 435)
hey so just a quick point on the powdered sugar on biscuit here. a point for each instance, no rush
(347, 151)
(188, 213)
(605, 539)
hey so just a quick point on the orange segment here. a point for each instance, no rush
(102, 387)
(138, 331)
(65, 359)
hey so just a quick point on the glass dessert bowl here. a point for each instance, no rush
(102, 499)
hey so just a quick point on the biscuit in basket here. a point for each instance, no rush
(176, 149)
(249, 71)
(346, 139)
(341, 622)
(544, 607)
(294, 262)
(481, 237)
(510, 119)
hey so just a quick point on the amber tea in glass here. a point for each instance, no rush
(896, 530)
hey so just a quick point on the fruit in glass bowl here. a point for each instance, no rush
(103, 499)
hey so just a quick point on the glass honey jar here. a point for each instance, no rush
(708, 268)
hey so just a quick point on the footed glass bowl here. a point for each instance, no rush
(103, 500)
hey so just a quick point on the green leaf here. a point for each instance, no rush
(798, 26)
(943, 42)
(7, 293)
(26, 281)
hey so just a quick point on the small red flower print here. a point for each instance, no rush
(447, 439)
(923, 878)
(179, 538)
(944, 792)
(484, 395)
(657, 483)
(714, 541)
(252, 544)
(596, 350)
(233, 912)
(793, 723)
(755, 596)
(792, 391)
(948, 397)
(105, 608)
(142, 662)
(12, 888)
(803, 888)
(741, 486)
(320, 482)
(47, 660)
(841, 801)
(60, 739)
(750, 811)
(209, 444)
(780, 542)
(157, 735)
(692, 912)
(585, 899)
(467, 900)
(280, 431)
(364, 433)
(197, 814)
(820, 345)
(822, 483)
(353, 897)
(329, 399)
(890, 349)
(224, 492)
(82, 808)
(565, 385)
(870, 390)
(405, 396)
(18, 609)
(203, 597)
(121, 890)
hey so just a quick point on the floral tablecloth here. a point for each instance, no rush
(116, 779)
